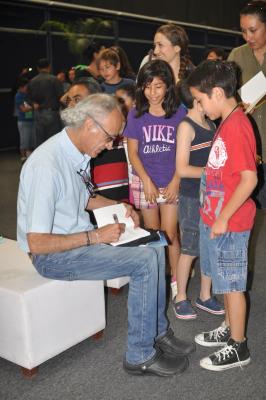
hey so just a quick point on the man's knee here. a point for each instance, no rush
(147, 260)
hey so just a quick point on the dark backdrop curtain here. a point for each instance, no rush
(218, 13)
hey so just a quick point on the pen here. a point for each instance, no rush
(115, 219)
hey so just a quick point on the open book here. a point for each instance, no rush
(253, 90)
(117, 213)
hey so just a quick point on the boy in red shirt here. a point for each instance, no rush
(227, 211)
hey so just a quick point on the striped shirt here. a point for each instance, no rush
(110, 174)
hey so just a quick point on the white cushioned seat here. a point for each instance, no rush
(117, 283)
(40, 317)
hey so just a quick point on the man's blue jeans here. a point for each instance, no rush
(146, 298)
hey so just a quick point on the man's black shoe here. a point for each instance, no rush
(171, 345)
(160, 364)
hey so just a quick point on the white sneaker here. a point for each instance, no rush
(217, 337)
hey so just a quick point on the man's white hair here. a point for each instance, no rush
(96, 106)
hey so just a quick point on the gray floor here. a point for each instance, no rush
(92, 370)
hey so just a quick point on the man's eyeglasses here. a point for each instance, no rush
(87, 180)
(109, 137)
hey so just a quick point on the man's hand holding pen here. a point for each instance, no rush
(109, 233)
(120, 228)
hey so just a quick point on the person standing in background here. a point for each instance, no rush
(126, 70)
(216, 53)
(92, 53)
(71, 74)
(24, 114)
(126, 95)
(171, 45)
(251, 58)
(109, 169)
(44, 92)
(90, 68)
(81, 88)
(109, 67)
(61, 76)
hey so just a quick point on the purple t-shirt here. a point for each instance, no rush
(156, 143)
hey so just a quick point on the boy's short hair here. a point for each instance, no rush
(184, 94)
(109, 55)
(210, 74)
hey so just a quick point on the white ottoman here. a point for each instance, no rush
(117, 283)
(40, 317)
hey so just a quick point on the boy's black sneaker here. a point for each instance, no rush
(217, 337)
(235, 354)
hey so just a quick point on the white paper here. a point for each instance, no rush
(104, 216)
(254, 89)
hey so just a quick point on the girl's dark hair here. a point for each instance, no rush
(156, 69)
(126, 70)
(256, 7)
(178, 37)
(210, 74)
(184, 94)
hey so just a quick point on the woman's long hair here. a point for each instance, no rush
(178, 37)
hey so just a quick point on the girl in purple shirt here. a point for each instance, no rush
(151, 131)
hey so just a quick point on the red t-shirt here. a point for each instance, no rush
(233, 151)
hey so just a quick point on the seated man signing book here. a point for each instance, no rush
(55, 193)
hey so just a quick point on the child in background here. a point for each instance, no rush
(151, 132)
(126, 94)
(109, 170)
(24, 114)
(194, 139)
(109, 68)
(126, 71)
(227, 211)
